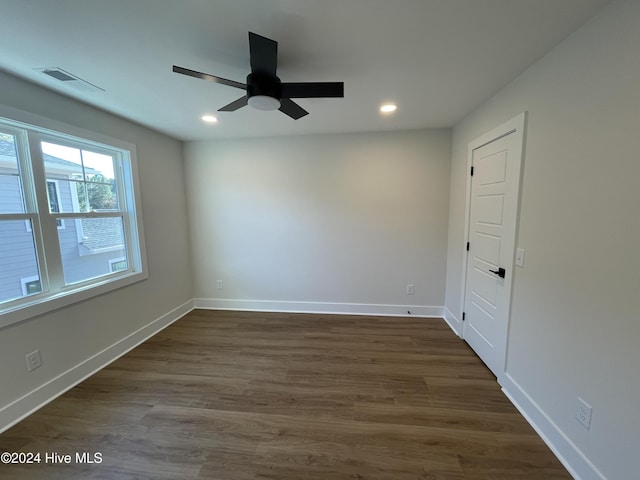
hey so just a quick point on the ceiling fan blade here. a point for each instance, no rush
(292, 109)
(313, 90)
(235, 105)
(263, 54)
(209, 78)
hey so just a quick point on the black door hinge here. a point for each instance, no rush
(468, 245)
(463, 316)
(472, 170)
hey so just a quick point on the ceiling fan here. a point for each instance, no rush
(264, 89)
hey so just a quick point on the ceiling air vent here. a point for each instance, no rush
(70, 80)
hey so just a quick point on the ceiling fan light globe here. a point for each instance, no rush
(264, 102)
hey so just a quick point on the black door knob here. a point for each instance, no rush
(501, 272)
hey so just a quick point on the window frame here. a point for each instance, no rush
(32, 130)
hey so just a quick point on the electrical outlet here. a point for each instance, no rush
(411, 289)
(33, 360)
(220, 285)
(583, 413)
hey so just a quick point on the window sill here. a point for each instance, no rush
(45, 304)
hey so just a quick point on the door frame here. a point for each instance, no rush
(515, 126)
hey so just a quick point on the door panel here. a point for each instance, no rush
(494, 169)
(487, 247)
(482, 324)
(489, 209)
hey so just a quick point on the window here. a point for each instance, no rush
(54, 200)
(118, 264)
(77, 199)
(31, 285)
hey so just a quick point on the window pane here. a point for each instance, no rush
(102, 196)
(89, 197)
(101, 182)
(89, 246)
(61, 161)
(19, 275)
(11, 200)
(98, 167)
(90, 175)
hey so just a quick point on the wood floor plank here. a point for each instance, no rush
(250, 395)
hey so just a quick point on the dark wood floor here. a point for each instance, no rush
(237, 396)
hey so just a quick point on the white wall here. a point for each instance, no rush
(321, 223)
(75, 340)
(575, 325)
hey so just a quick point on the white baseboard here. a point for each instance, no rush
(319, 307)
(454, 322)
(571, 457)
(36, 399)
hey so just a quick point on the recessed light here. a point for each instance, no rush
(388, 108)
(209, 118)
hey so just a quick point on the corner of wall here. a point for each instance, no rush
(31, 402)
(454, 322)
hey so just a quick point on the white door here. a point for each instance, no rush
(495, 182)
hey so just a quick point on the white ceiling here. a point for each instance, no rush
(438, 59)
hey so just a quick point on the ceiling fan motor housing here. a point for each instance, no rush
(263, 85)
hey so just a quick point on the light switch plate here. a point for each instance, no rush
(520, 257)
